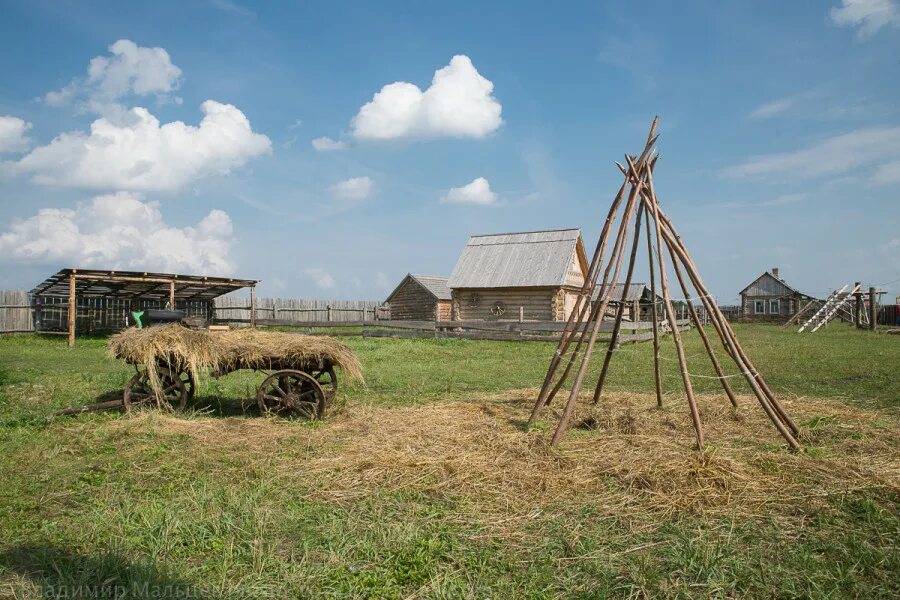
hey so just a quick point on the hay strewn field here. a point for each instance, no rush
(424, 483)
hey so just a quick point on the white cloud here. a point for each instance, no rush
(130, 70)
(12, 134)
(326, 144)
(121, 231)
(868, 15)
(354, 189)
(831, 156)
(320, 277)
(476, 192)
(144, 155)
(459, 103)
(770, 109)
(893, 244)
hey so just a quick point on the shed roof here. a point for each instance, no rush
(434, 284)
(139, 284)
(527, 259)
(636, 291)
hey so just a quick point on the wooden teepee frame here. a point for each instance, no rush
(583, 325)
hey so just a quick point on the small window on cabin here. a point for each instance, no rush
(774, 307)
(759, 307)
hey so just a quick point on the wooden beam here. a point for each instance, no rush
(72, 310)
(252, 306)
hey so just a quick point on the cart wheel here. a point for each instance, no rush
(138, 392)
(291, 393)
(185, 375)
(328, 380)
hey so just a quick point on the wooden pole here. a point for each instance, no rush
(873, 309)
(252, 306)
(767, 400)
(172, 294)
(620, 311)
(72, 310)
(676, 334)
(572, 324)
(656, 374)
(693, 312)
(600, 310)
(858, 305)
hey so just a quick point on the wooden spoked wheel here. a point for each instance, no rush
(139, 392)
(290, 393)
(328, 380)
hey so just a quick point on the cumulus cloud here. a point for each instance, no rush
(12, 134)
(144, 155)
(831, 156)
(326, 144)
(128, 70)
(320, 277)
(459, 103)
(477, 192)
(121, 231)
(354, 189)
(868, 15)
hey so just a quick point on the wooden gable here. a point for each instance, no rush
(768, 285)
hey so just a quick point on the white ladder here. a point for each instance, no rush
(836, 301)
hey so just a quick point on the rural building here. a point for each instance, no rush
(638, 302)
(420, 298)
(539, 273)
(769, 298)
(92, 301)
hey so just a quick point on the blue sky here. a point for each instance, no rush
(780, 140)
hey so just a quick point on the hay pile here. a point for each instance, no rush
(626, 459)
(184, 349)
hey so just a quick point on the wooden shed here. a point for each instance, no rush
(769, 298)
(638, 302)
(420, 298)
(538, 274)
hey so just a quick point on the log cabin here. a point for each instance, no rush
(535, 276)
(769, 298)
(638, 302)
(420, 298)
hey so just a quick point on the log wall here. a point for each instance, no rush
(412, 302)
(539, 304)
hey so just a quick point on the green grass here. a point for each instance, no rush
(157, 513)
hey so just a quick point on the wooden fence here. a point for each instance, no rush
(15, 312)
(288, 311)
(535, 331)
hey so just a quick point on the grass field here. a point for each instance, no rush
(423, 483)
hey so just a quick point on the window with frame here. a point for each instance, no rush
(759, 307)
(775, 307)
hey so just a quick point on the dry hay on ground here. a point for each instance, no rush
(627, 457)
(197, 350)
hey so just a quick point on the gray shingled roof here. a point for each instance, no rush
(434, 284)
(635, 292)
(531, 259)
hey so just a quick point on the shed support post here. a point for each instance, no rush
(72, 310)
(172, 295)
(873, 309)
(252, 306)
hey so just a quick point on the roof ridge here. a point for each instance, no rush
(578, 229)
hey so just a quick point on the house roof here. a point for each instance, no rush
(435, 284)
(527, 259)
(139, 284)
(768, 284)
(636, 291)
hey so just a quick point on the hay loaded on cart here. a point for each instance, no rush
(301, 372)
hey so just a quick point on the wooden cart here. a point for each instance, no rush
(296, 389)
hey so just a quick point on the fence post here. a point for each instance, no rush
(873, 309)
(252, 306)
(72, 310)
(328, 313)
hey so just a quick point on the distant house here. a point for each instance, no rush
(420, 298)
(638, 302)
(539, 273)
(769, 298)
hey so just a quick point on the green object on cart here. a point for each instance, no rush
(136, 315)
